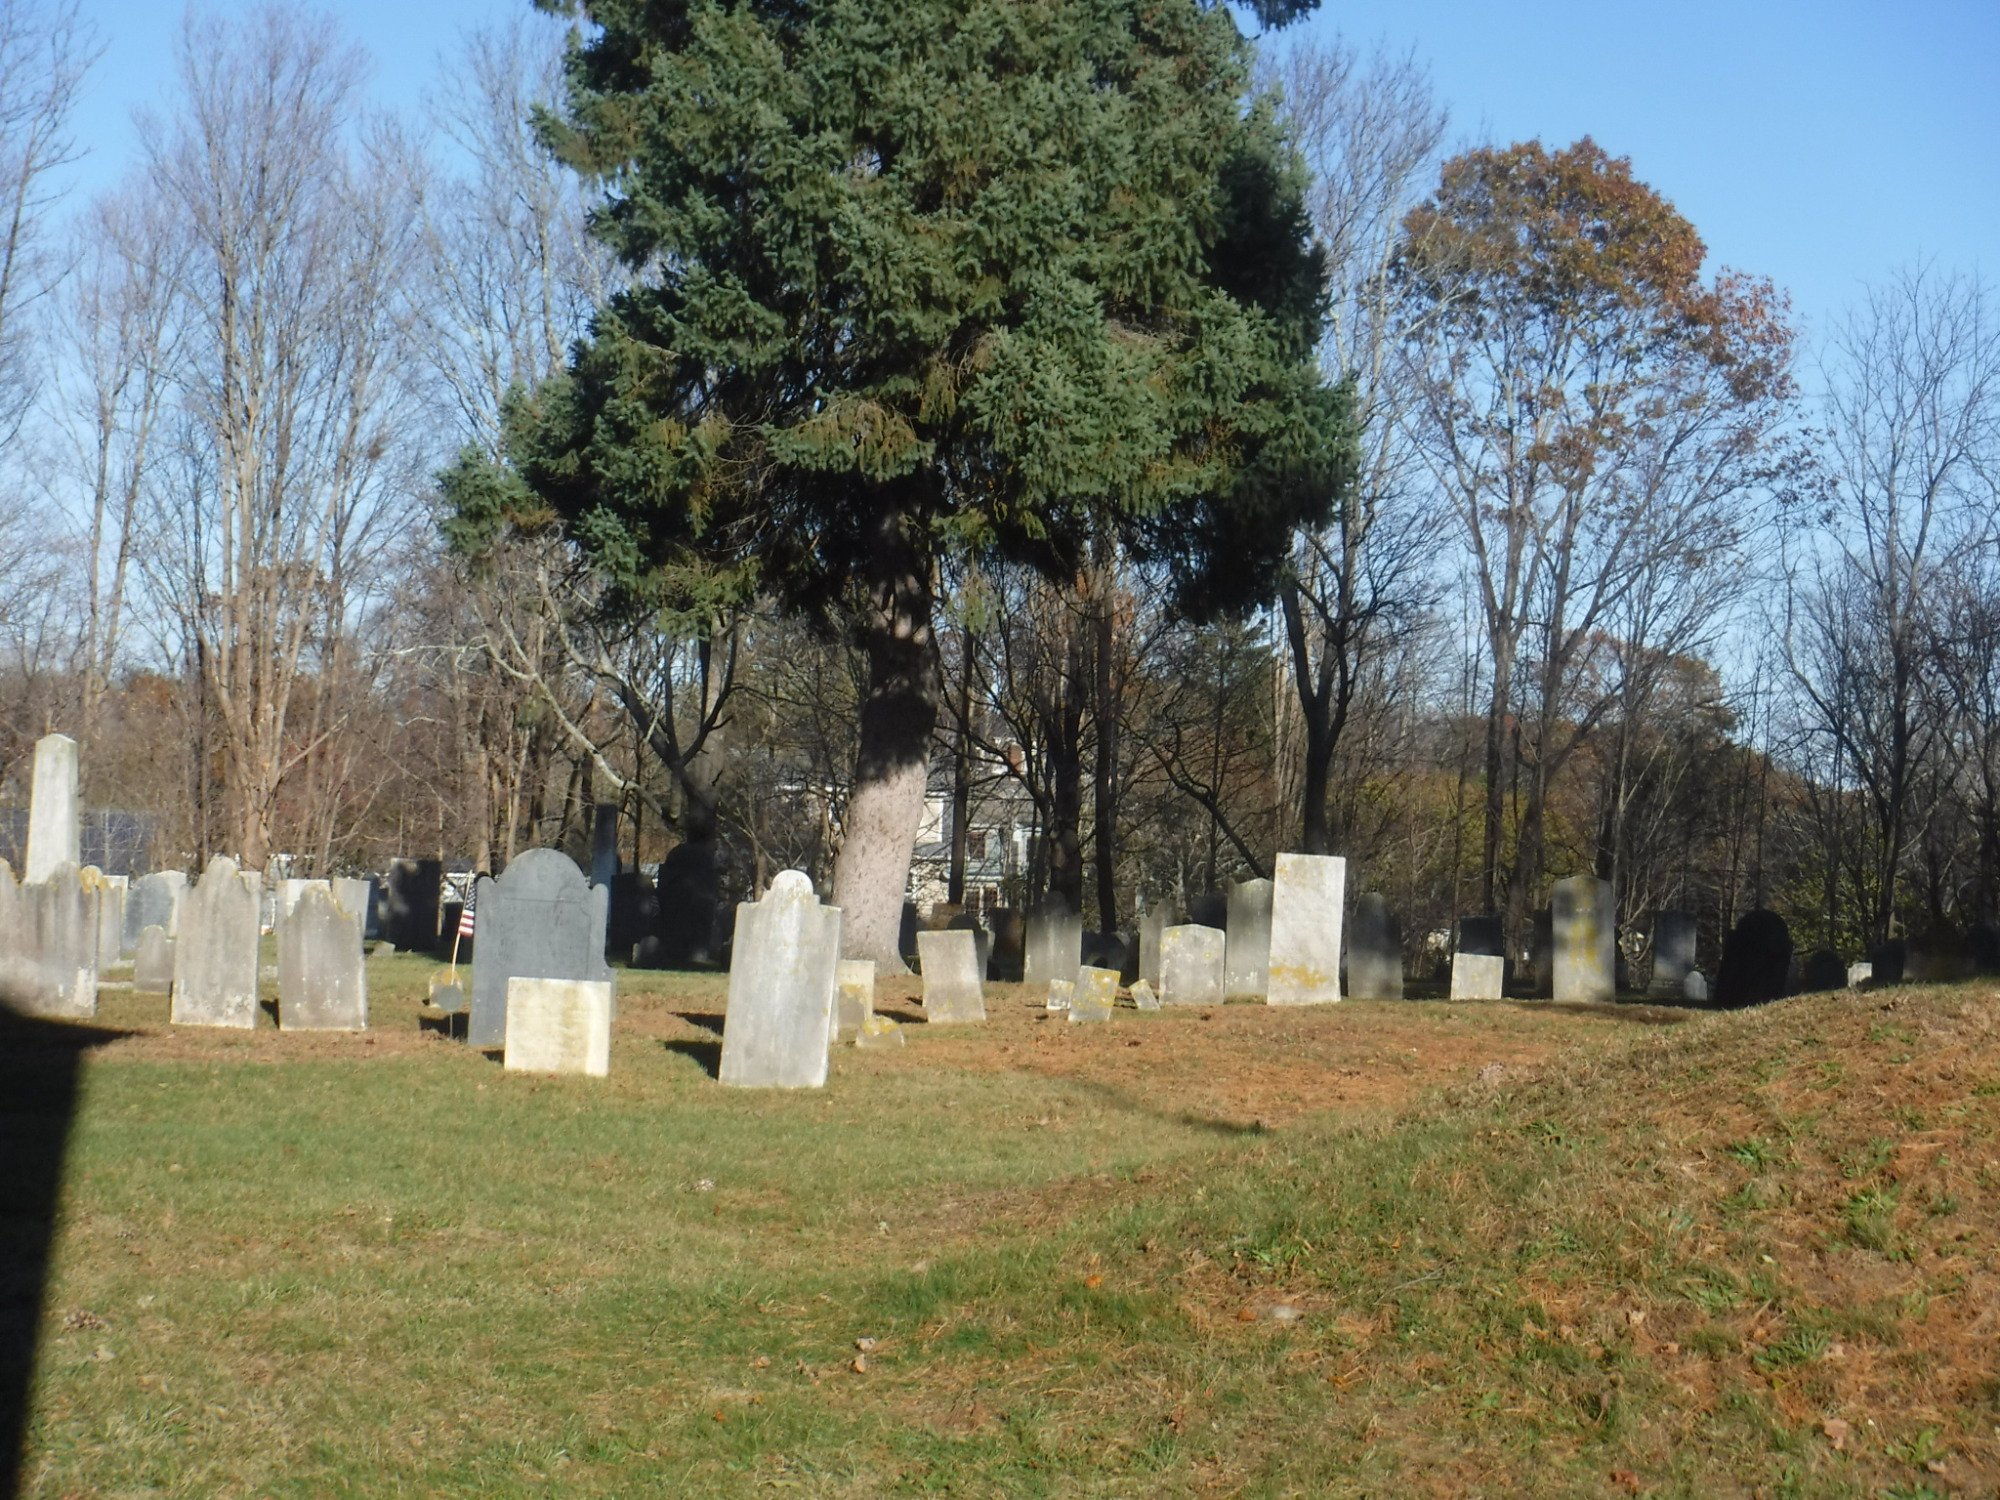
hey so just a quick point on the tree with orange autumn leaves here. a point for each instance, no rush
(1602, 420)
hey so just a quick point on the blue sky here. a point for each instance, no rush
(1821, 142)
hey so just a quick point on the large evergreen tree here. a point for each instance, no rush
(920, 277)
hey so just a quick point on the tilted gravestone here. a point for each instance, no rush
(1144, 996)
(1096, 995)
(785, 962)
(854, 997)
(1586, 940)
(952, 992)
(54, 828)
(1191, 965)
(321, 983)
(215, 956)
(1055, 943)
(155, 901)
(1061, 993)
(1673, 954)
(1308, 902)
(410, 910)
(1756, 961)
(558, 1026)
(540, 920)
(1247, 950)
(1374, 950)
(1477, 976)
(153, 964)
(1152, 923)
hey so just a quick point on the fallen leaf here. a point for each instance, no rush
(1246, 1314)
(1839, 1433)
(1093, 1281)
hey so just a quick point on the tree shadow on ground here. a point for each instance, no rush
(40, 1066)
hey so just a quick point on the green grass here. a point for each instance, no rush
(418, 1274)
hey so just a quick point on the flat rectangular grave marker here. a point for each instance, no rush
(1308, 898)
(1477, 976)
(558, 1026)
(1096, 995)
(1143, 996)
(1062, 992)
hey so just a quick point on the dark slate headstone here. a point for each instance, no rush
(1374, 950)
(410, 918)
(604, 844)
(1480, 935)
(1889, 960)
(1211, 910)
(1821, 972)
(1756, 961)
(1542, 954)
(1010, 945)
(1984, 942)
(1104, 950)
(1673, 954)
(635, 911)
(906, 932)
(540, 920)
(689, 903)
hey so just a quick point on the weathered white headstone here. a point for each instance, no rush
(1859, 974)
(1096, 995)
(1374, 951)
(540, 920)
(1695, 987)
(153, 965)
(355, 896)
(1144, 996)
(112, 893)
(215, 956)
(1055, 943)
(879, 1031)
(1061, 993)
(1477, 976)
(952, 991)
(783, 968)
(558, 1026)
(288, 893)
(1191, 965)
(1586, 940)
(1247, 957)
(321, 982)
(1673, 953)
(1308, 899)
(48, 944)
(54, 829)
(854, 997)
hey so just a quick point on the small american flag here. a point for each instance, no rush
(465, 921)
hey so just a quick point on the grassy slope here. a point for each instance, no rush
(1670, 1264)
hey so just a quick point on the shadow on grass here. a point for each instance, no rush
(707, 1054)
(1630, 1012)
(39, 1066)
(1120, 1099)
(707, 1020)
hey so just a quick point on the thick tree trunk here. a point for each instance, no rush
(897, 719)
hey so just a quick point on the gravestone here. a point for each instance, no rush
(558, 1026)
(1210, 909)
(784, 966)
(1477, 976)
(688, 901)
(1096, 995)
(356, 897)
(155, 901)
(1694, 988)
(1144, 996)
(1151, 924)
(604, 844)
(1481, 936)
(1756, 960)
(1374, 951)
(1247, 950)
(908, 927)
(1889, 961)
(1673, 953)
(54, 829)
(854, 997)
(1308, 902)
(48, 944)
(1822, 972)
(321, 986)
(1061, 993)
(410, 910)
(1191, 965)
(1859, 974)
(879, 1031)
(540, 920)
(112, 893)
(1542, 955)
(1983, 942)
(215, 956)
(950, 961)
(288, 893)
(1055, 943)
(635, 912)
(1008, 965)
(153, 964)
(1104, 950)
(982, 940)
(1585, 917)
